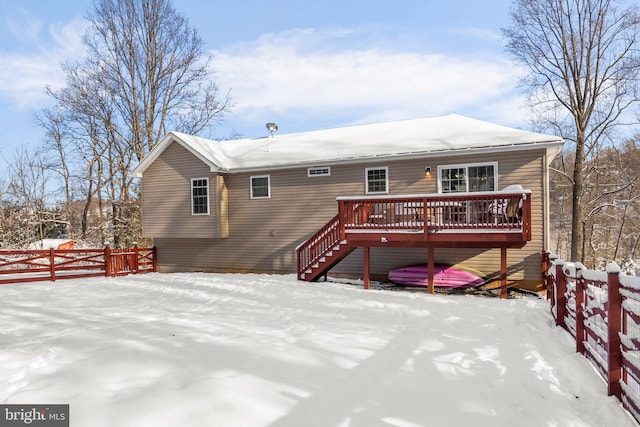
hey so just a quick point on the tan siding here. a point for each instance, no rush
(263, 233)
(222, 199)
(166, 208)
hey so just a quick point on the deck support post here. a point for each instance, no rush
(503, 273)
(367, 276)
(430, 269)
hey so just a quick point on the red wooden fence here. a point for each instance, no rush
(52, 264)
(601, 310)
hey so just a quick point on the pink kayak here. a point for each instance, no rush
(444, 276)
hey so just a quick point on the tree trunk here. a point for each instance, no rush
(577, 234)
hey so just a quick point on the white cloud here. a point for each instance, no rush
(484, 34)
(24, 75)
(305, 73)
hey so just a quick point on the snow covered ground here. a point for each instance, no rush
(260, 350)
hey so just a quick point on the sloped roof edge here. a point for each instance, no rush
(186, 141)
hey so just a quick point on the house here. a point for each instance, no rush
(247, 205)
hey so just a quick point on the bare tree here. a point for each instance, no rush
(144, 75)
(29, 213)
(584, 61)
(150, 62)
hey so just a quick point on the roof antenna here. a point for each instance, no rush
(271, 127)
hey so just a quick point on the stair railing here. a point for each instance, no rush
(318, 245)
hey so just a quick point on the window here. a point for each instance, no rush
(468, 178)
(200, 196)
(324, 171)
(260, 187)
(377, 180)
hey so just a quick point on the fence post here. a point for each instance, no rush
(52, 264)
(135, 259)
(107, 260)
(545, 267)
(614, 323)
(580, 297)
(560, 294)
(154, 263)
(551, 279)
(548, 259)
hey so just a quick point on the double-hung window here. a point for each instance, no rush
(377, 180)
(468, 177)
(260, 187)
(200, 196)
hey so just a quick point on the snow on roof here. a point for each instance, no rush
(428, 137)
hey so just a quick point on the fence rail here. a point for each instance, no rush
(52, 264)
(601, 311)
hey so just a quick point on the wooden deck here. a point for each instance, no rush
(464, 220)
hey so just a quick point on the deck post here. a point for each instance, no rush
(431, 269)
(425, 219)
(367, 278)
(342, 219)
(503, 273)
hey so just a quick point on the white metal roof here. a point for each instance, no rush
(419, 138)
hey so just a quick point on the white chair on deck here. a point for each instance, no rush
(507, 210)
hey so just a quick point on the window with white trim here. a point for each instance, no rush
(377, 180)
(261, 187)
(319, 171)
(200, 196)
(468, 177)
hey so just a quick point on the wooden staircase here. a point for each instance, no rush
(322, 251)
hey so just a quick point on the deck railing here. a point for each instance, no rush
(491, 211)
(601, 311)
(52, 264)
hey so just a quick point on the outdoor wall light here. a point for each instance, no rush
(427, 171)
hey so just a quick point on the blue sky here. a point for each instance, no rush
(304, 64)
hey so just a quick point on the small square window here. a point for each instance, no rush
(260, 187)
